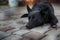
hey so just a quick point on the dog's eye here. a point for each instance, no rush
(33, 17)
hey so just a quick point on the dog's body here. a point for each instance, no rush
(40, 14)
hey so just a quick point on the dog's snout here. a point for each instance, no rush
(28, 26)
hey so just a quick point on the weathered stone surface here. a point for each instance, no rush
(21, 22)
(13, 37)
(21, 32)
(3, 34)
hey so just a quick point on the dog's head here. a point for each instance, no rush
(34, 20)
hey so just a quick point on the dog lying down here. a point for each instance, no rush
(42, 13)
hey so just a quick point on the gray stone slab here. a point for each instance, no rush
(41, 29)
(3, 34)
(14, 30)
(21, 32)
(13, 37)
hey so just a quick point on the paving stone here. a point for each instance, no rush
(13, 37)
(41, 29)
(3, 34)
(14, 30)
(21, 32)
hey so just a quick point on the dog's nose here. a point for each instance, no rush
(27, 26)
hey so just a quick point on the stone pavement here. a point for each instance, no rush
(18, 22)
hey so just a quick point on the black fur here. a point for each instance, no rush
(42, 13)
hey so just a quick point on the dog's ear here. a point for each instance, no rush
(24, 15)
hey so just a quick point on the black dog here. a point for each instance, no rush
(42, 13)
